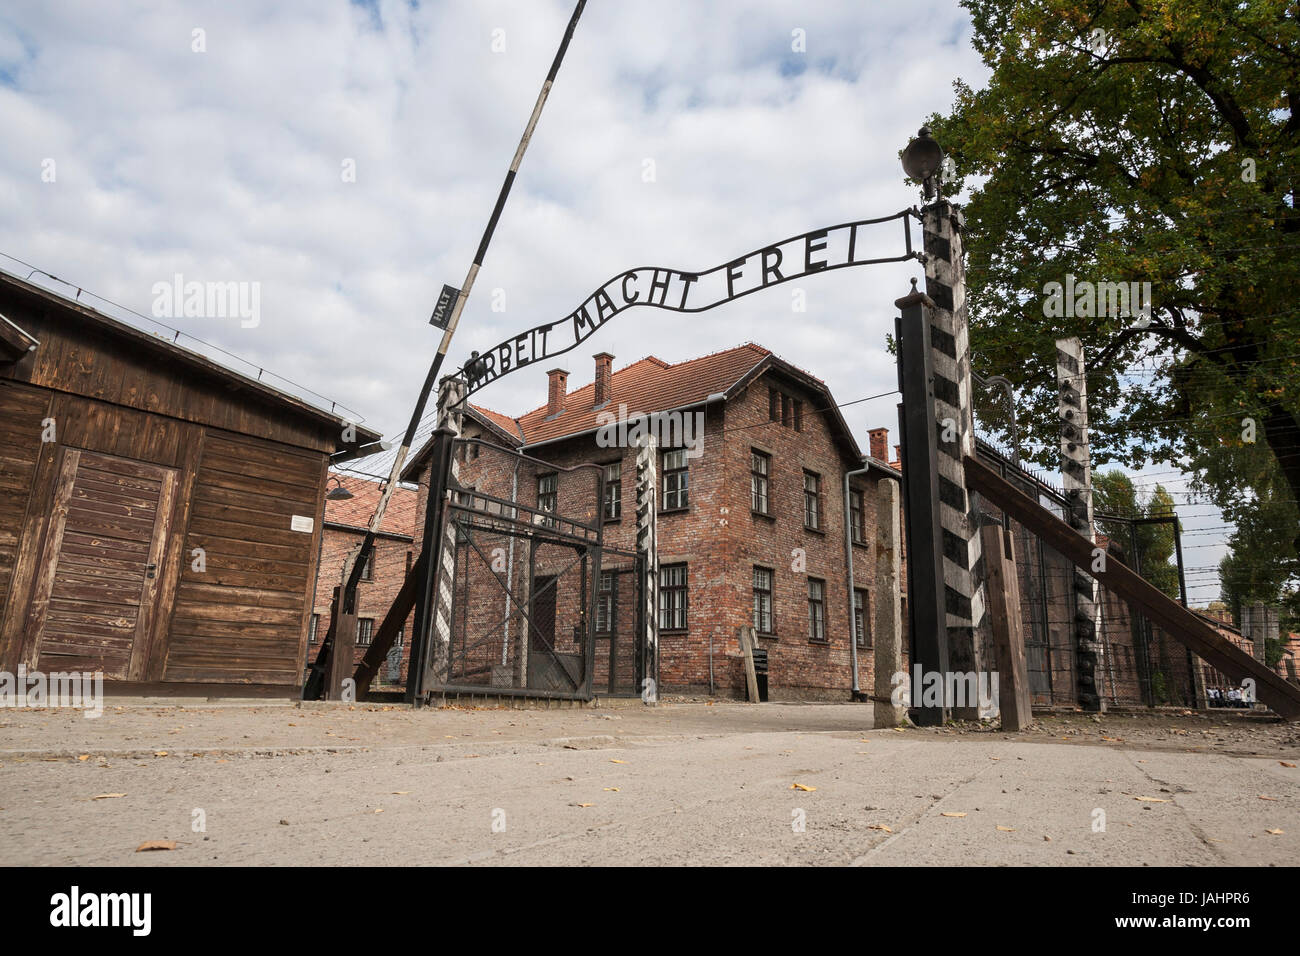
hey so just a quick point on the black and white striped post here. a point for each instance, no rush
(647, 547)
(963, 572)
(1076, 480)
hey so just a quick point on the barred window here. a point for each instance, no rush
(613, 491)
(311, 628)
(855, 517)
(812, 485)
(365, 630)
(763, 600)
(676, 480)
(605, 603)
(816, 610)
(760, 466)
(672, 597)
(861, 614)
(547, 486)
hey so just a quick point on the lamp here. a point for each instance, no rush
(921, 161)
(338, 493)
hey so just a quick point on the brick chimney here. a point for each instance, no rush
(603, 362)
(879, 444)
(556, 391)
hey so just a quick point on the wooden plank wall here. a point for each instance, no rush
(80, 359)
(21, 412)
(244, 618)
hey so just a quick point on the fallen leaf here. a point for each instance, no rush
(800, 786)
(1285, 764)
(1262, 797)
(612, 760)
(583, 804)
(1274, 832)
(84, 757)
(160, 753)
(880, 826)
(1007, 829)
(398, 793)
(379, 810)
(108, 796)
(1151, 799)
(156, 845)
(951, 813)
(611, 789)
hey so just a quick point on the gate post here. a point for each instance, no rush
(433, 596)
(925, 592)
(1076, 480)
(888, 629)
(647, 546)
(963, 572)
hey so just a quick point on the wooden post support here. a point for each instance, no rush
(746, 635)
(1003, 595)
(887, 653)
(344, 627)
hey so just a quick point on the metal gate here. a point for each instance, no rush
(534, 612)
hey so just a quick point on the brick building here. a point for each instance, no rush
(751, 521)
(343, 531)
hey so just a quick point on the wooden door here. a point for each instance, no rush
(96, 590)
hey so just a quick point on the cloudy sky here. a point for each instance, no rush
(214, 140)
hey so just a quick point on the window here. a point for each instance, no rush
(401, 633)
(368, 569)
(763, 600)
(798, 414)
(760, 465)
(613, 491)
(861, 610)
(311, 628)
(605, 603)
(365, 630)
(816, 610)
(785, 409)
(547, 487)
(773, 404)
(672, 597)
(676, 480)
(855, 517)
(812, 486)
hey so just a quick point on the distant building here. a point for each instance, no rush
(751, 520)
(346, 522)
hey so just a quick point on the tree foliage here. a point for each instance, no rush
(1145, 141)
(1115, 494)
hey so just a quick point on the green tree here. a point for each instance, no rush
(1114, 493)
(1144, 141)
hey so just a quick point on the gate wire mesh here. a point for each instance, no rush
(1140, 665)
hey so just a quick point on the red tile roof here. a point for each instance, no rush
(646, 386)
(399, 517)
